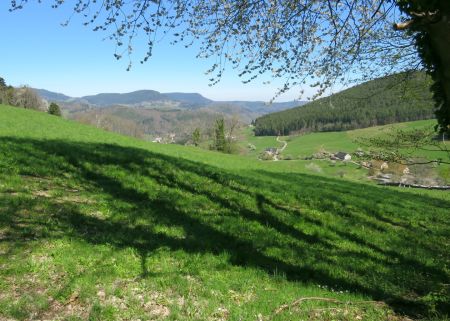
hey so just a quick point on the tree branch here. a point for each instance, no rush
(404, 25)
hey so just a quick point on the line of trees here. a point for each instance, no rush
(24, 97)
(221, 136)
(396, 98)
(101, 118)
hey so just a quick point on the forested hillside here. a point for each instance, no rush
(391, 99)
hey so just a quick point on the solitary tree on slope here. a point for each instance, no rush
(196, 136)
(54, 109)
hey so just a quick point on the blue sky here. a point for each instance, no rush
(39, 52)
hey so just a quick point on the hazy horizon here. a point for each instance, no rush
(166, 92)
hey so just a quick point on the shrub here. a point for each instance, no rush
(251, 147)
(54, 109)
(313, 167)
(266, 156)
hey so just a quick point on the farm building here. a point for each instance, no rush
(343, 156)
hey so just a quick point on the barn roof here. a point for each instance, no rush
(341, 155)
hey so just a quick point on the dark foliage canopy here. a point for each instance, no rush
(54, 109)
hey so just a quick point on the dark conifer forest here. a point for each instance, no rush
(396, 98)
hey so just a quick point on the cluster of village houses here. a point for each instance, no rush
(381, 166)
(169, 140)
(342, 156)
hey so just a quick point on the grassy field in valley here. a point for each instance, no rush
(306, 145)
(98, 226)
(300, 146)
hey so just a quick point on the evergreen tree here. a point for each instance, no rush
(54, 109)
(196, 136)
(220, 142)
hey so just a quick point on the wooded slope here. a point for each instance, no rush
(391, 99)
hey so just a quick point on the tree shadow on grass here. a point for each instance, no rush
(313, 229)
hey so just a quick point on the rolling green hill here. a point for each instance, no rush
(98, 226)
(395, 98)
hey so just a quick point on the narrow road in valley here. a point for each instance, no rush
(279, 150)
(283, 142)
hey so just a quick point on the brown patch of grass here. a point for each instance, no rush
(61, 311)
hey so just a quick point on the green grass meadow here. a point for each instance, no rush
(304, 146)
(301, 146)
(98, 226)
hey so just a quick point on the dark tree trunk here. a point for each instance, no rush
(439, 41)
(430, 20)
(433, 41)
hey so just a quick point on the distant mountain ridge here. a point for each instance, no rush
(132, 98)
(152, 113)
(52, 96)
(193, 98)
(153, 98)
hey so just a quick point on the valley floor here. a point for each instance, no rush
(302, 152)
